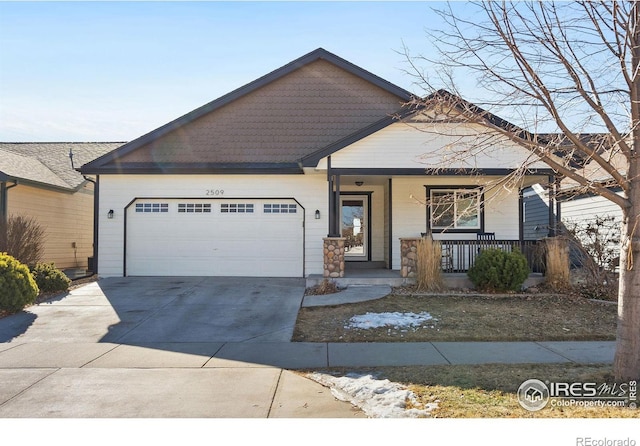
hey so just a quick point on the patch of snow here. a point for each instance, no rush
(396, 320)
(378, 398)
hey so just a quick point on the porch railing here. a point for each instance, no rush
(460, 255)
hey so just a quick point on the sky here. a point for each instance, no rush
(113, 71)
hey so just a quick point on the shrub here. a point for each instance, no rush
(22, 238)
(17, 286)
(557, 263)
(49, 278)
(325, 287)
(497, 270)
(429, 264)
(595, 254)
(599, 239)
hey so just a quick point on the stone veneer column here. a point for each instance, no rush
(408, 257)
(333, 257)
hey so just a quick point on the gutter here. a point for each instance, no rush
(4, 206)
(96, 209)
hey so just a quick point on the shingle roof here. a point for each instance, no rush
(599, 142)
(47, 163)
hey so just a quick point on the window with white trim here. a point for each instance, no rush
(236, 208)
(279, 208)
(152, 207)
(455, 209)
(197, 208)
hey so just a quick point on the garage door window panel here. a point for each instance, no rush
(280, 208)
(194, 208)
(236, 208)
(152, 207)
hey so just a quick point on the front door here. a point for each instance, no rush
(354, 226)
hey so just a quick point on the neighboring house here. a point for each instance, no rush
(37, 180)
(577, 212)
(264, 180)
(576, 208)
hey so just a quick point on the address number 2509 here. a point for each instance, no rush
(215, 192)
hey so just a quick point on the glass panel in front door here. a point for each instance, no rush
(354, 227)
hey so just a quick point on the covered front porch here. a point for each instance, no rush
(429, 171)
(372, 212)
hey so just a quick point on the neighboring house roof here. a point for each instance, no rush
(605, 146)
(48, 164)
(599, 142)
(268, 125)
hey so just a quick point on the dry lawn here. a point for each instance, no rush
(466, 317)
(489, 391)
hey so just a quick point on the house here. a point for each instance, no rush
(38, 180)
(312, 169)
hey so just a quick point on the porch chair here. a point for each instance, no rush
(486, 237)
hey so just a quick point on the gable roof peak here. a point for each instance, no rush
(309, 58)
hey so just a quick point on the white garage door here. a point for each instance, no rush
(230, 237)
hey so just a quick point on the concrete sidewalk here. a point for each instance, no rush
(233, 392)
(298, 355)
(218, 380)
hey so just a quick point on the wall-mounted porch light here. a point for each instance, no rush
(110, 214)
(317, 214)
(359, 183)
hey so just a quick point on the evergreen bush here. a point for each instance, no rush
(497, 270)
(17, 286)
(49, 278)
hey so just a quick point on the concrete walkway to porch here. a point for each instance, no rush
(351, 294)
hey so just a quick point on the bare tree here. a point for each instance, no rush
(564, 69)
(22, 238)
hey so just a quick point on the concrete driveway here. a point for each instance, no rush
(181, 309)
(162, 347)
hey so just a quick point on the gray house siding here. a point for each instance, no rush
(535, 213)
